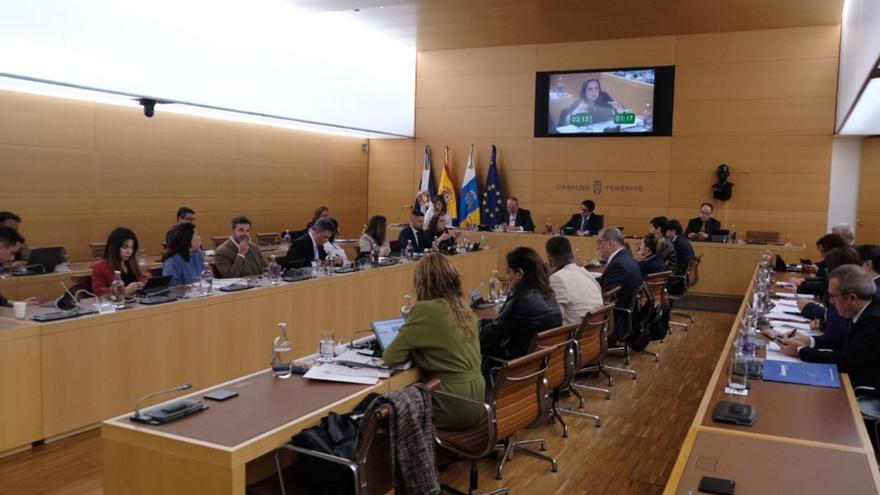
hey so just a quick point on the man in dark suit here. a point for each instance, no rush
(659, 226)
(622, 270)
(704, 225)
(310, 246)
(414, 233)
(852, 291)
(870, 254)
(684, 253)
(10, 243)
(587, 222)
(515, 218)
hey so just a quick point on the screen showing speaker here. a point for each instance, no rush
(635, 101)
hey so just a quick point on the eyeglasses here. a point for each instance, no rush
(706, 212)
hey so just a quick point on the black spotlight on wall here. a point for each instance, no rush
(149, 106)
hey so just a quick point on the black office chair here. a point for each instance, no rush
(869, 405)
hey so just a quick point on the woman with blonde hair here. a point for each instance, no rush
(440, 337)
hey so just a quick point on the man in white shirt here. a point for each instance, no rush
(576, 292)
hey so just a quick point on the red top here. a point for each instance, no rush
(102, 277)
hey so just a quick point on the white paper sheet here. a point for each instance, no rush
(337, 373)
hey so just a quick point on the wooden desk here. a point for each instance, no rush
(726, 268)
(94, 367)
(821, 427)
(210, 452)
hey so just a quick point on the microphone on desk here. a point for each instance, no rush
(137, 406)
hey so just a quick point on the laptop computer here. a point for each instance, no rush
(42, 260)
(386, 331)
(155, 286)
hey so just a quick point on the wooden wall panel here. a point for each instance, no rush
(868, 219)
(761, 101)
(82, 169)
(392, 179)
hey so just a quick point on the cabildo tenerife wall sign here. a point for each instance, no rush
(598, 188)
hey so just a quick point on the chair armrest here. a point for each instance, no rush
(490, 426)
(865, 389)
(320, 455)
(629, 311)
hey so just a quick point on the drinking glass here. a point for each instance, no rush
(503, 290)
(734, 380)
(327, 346)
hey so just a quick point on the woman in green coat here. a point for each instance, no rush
(440, 337)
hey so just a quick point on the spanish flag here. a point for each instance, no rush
(447, 189)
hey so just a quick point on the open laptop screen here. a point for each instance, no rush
(387, 330)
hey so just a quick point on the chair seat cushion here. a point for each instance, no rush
(473, 441)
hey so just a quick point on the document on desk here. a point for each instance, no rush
(774, 353)
(786, 303)
(332, 372)
(787, 326)
(815, 374)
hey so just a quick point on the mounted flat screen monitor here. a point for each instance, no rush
(633, 101)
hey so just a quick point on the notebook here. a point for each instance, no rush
(815, 374)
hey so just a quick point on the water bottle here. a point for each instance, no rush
(466, 242)
(577, 257)
(484, 242)
(282, 353)
(274, 270)
(733, 233)
(374, 255)
(408, 250)
(286, 239)
(493, 286)
(117, 290)
(548, 226)
(207, 287)
(407, 306)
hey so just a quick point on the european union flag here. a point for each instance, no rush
(493, 199)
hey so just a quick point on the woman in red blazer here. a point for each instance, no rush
(120, 254)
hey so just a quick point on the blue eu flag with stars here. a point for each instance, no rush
(493, 199)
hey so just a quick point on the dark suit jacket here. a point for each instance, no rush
(696, 225)
(523, 219)
(684, 253)
(625, 272)
(301, 253)
(854, 353)
(594, 224)
(419, 239)
(653, 265)
(524, 314)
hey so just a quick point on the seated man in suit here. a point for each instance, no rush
(852, 291)
(10, 242)
(10, 219)
(870, 254)
(185, 214)
(845, 231)
(684, 253)
(414, 233)
(309, 247)
(622, 270)
(659, 226)
(587, 222)
(516, 219)
(238, 257)
(575, 290)
(704, 225)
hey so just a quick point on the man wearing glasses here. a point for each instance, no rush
(852, 291)
(704, 225)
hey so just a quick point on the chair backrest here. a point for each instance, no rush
(761, 237)
(610, 296)
(518, 393)
(656, 283)
(374, 448)
(693, 273)
(155, 272)
(560, 365)
(80, 282)
(267, 238)
(591, 340)
(218, 240)
(97, 249)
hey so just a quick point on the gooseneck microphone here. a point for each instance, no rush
(137, 406)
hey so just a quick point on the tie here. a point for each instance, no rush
(415, 237)
(703, 228)
(583, 223)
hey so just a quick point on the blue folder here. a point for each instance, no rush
(815, 374)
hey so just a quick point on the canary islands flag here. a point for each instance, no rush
(493, 200)
(469, 203)
(447, 189)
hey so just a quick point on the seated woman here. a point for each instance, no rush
(646, 255)
(184, 260)
(440, 336)
(530, 308)
(441, 237)
(320, 212)
(120, 254)
(599, 105)
(376, 236)
(438, 208)
(824, 316)
(333, 249)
